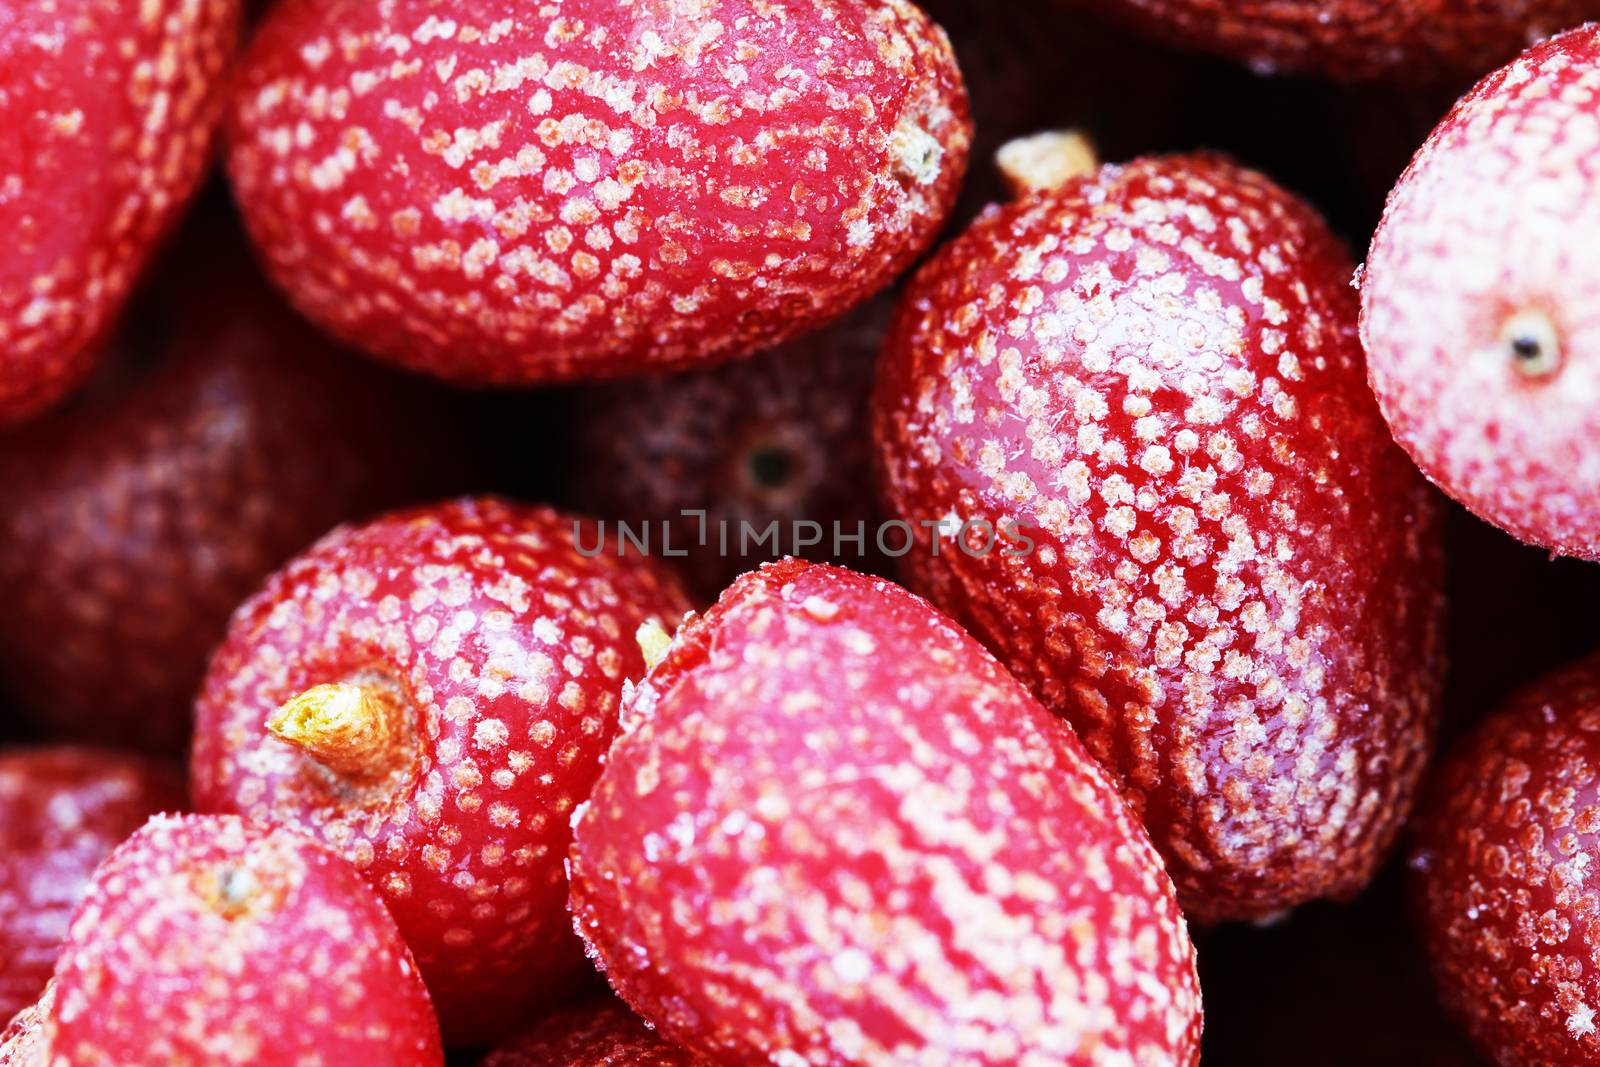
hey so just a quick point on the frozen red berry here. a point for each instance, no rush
(208, 941)
(431, 694)
(836, 831)
(1418, 41)
(227, 437)
(495, 192)
(106, 116)
(592, 1035)
(1129, 424)
(1479, 299)
(1504, 875)
(720, 455)
(62, 811)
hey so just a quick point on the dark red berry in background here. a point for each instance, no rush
(1349, 40)
(1479, 299)
(606, 1034)
(504, 193)
(1042, 65)
(226, 436)
(431, 694)
(835, 831)
(782, 437)
(106, 116)
(208, 940)
(1504, 875)
(1229, 581)
(62, 811)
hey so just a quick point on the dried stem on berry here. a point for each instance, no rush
(349, 729)
(1045, 161)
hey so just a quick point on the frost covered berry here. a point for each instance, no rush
(106, 116)
(835, 831)
(62, 811)
(1503, 874)
(207, 941)
(499, 192)
(1129, 422)
(431, 695)
(1479, 297)
(1420, 41)
(592, 1035)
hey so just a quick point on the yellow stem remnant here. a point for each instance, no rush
(653, 642)
(347, 728)
(1046, 161)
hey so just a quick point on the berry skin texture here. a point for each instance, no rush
(603, 1035)
(208, 941)
(503, 193)
(782, 437)
(1481, 299)
(1506, 901)
(23, 1042)
(835, 831)
(1219, 568)
(62, 811)
(1425, 41)
(139, 516)
(476, 661)
(106, 117)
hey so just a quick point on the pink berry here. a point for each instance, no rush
(836, 832)
(207, 941)
(1479, 299)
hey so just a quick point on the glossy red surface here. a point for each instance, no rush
(835, 831)
(1221, 570)
(506, 652)
(502, 193)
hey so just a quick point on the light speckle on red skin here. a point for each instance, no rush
(1233, 588)
(23, 1042)
(62, 811)
(781, 437)
(138, 516)
(1495, 219)
(106, 116)
(1504, 875)
(1419, 41)
(592, 1035)
(835, 831)
(508, 651)
(503, 193)
(209, 941)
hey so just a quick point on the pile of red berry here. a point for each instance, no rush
(514, 559)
